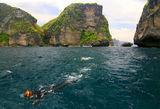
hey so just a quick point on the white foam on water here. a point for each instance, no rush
(85, 69)
(50, 91)
(86, 58)
(5, 73)
(21, 95)
(8, 71)
(19, 64)
(73, 77)
(52, 84)
(40, 87)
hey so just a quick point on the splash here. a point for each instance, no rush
(73, 77)
(85, 69)
(41, 87)
(86, 58)
(8, 71)
(5, 73)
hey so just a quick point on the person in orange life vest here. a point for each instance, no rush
(28, 94)
(39, 94)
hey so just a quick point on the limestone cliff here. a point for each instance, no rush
(78, 25)
(18, 28)
(148, 29)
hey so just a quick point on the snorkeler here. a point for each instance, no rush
(39, 94)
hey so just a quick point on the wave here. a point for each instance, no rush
(8, 71)
(41, 87)
(5, 73)
(85, 69)
(16, 65)
(73, 77)
(86, 58)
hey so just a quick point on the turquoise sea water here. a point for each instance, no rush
(108, 78)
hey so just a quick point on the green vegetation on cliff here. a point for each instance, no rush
(16, 22)
(4, 10)
(69, 13)
(72, 11)
(150, 4)
(146, 5)
(154, 10)
(54, 26)
(87, 36)
(103, 26)
(86, 19)
(4, 38)
(25, 26)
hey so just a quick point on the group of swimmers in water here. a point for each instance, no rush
(39, 94)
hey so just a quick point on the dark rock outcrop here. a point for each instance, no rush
(96, 43)
(126, 44)
(78, 25)
(18, 28)
(148, 29)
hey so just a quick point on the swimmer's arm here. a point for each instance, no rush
(67, 83)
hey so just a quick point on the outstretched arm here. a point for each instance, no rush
(59, 86)
(52, 87)
(64, 85)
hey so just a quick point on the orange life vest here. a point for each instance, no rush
(28, 94)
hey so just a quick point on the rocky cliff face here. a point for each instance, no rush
(148, 29)
(78, 25)
(18, 28)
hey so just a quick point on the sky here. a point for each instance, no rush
(122, 15)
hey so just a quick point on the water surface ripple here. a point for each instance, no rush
(109, 78)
